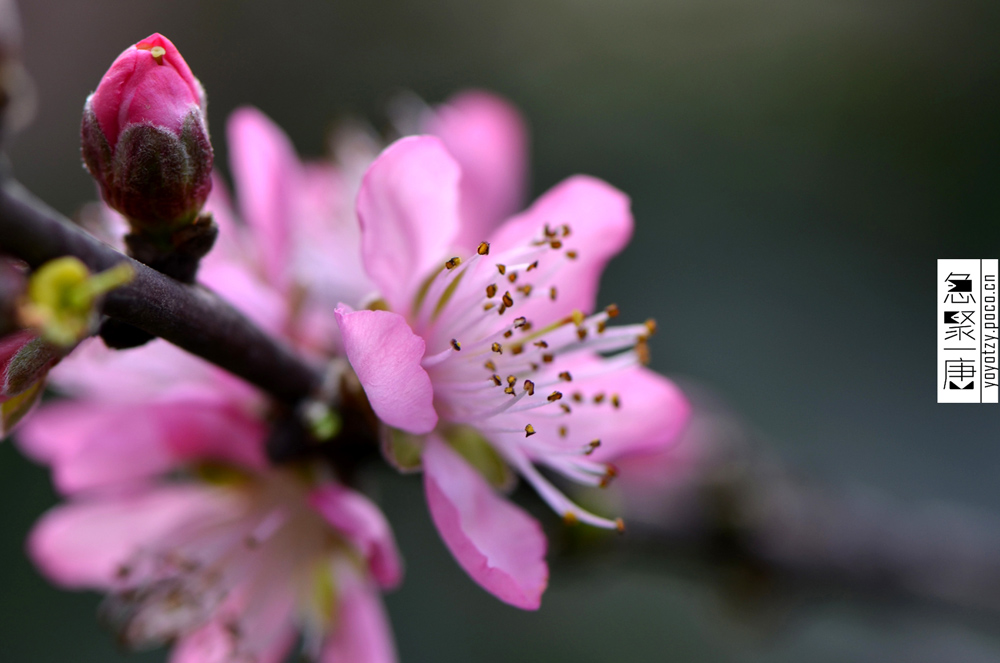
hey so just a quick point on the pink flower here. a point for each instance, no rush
(144, 136)
(490, 352)
(176, 513)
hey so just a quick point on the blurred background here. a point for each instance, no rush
(796, 167)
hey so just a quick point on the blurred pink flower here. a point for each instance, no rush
(492, 348)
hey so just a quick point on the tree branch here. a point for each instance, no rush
(191, 317)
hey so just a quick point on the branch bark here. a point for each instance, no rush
(189, 316)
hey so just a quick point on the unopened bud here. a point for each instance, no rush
(25, 360)
(145, 139)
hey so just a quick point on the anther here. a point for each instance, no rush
(565, 408)
(496, 379)
(534, 366)
(517, 348)
(508, 333)
(577, 317)
(529, 387)
(620, 525)
(599, 398)
(555, 244)
(552, 293)
(651, 326)
(502, 309)
(548, 358)
(488, 305)
(158, 52)
(565, 230)
(581, 333)
(490, 365)
(525, 289)
(566, 376)
(511, 380)
(616, 401)
(601, 326)
(491, 290)
(508, 390)
(569, 518)
(455, 344)
(554, 396)
(572, 255)
(612, 310)
(577, 397)
(497, 348)
(529, 430)
(642, 350)
(549, 232)
(541, 344)
(563, 431)
(532, 266)
(520, 322)
(508, 301)
(592, 446)
(512, 277)
(484, 249)
(453, 263)
(502, 269)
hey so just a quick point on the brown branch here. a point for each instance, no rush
(191, 317)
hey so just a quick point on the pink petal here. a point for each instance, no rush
(215, 643)
(408, 208)
(363, 523)
(266, 169)
(497, 543)
(489, 139)
(652, 413)
(97, 445)
(362, 633)
(84, 544)
(600, 223)
(386, 355)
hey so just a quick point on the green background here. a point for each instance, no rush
(796, 167)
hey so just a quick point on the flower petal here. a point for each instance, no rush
(497, 543)
(265, 168)
(84, 544)
(651, 414)
(600, 224)
(362, 633)
(408, 208)
(489, 139)
(363, 523)
(386, 355)
(92, 445)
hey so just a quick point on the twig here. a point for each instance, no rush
(191, 317)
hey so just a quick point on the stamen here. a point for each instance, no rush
(520, 322)
(612, 310)
(565, 230)
(453, 263)
(496, 380)
(593, 444)
(490, 365)
(651, 326)
(502, 269)
(508, 333)
(541, 344)
(532, 266)
(455, 344)
(529, 430)
(517, 349)
(508, 301)
(497, 348)
(491, 290)
(616, 401)
(554, 396)
(483, 249)
(563, 431)
(599, 398)
(552, 293)
(529, 387)
(512, 277)
(572, 255)
(555, 244)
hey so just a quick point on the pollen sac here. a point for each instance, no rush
(483, 249)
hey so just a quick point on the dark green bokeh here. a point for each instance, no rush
(796, 167)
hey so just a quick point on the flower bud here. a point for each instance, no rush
(25, 360)
(145, 139)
